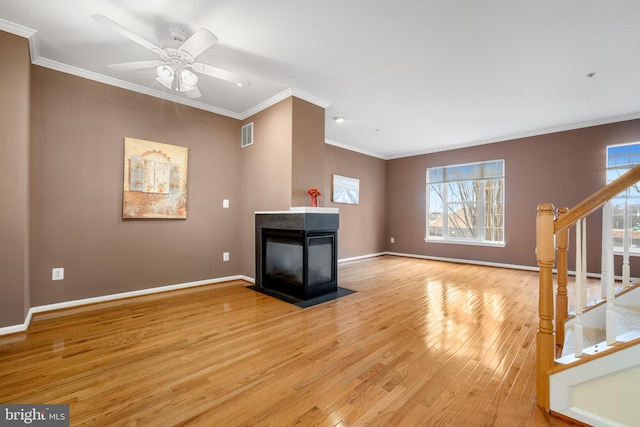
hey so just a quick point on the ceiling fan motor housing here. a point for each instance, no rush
(178, 34)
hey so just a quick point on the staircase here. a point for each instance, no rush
(587, 361)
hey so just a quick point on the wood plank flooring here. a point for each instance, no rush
(421, 343)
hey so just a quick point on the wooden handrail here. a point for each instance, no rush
(599, 198)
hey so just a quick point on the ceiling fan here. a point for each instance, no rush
(175, 68)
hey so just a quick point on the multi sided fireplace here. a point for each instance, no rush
(296, 251)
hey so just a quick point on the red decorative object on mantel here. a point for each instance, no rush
(314, 193)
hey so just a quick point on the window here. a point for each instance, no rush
(621, 158)
(465, 203)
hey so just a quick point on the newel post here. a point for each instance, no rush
(562, 301)
(545, 340)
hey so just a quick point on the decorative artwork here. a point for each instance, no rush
(155, 180)
(346, 190)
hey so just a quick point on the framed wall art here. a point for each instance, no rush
(155, 180)
(346, 190)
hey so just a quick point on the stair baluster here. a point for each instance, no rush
(562, 299)
(607, 273)
(578, 329)
(626, 269)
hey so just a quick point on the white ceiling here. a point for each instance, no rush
(409, 76)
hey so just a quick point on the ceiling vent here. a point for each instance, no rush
(247, 134)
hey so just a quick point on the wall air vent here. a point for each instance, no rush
(247, 134)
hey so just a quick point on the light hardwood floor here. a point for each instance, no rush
(421, 343)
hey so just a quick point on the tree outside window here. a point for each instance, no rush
(466, 203)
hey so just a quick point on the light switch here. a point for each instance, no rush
(225, 203)
(57, 274)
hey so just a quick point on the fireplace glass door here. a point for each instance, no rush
(283, 262)
(320, 262)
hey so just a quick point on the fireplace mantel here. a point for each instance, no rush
(302, 209)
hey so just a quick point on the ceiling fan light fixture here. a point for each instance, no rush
(188, 79)
(165, 72)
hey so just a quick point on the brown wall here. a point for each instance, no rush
(285, 160)
(265, 181)
(561, 168)
(77, 140)
(14, 179)
(308, 151)
(363, 226)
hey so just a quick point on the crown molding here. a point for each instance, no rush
(16, 29)
(287, 93)
(309, 98)
(355, 149)
(22, 31)
(527, 134)
(68, 69)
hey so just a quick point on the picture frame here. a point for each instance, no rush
(346, 190)
(155, 180)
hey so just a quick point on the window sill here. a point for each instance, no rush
(470, 243)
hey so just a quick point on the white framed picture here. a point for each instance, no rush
(346, 190)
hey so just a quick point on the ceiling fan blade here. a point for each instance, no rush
(199, 41)
(219, 73)
(126, 32)
(137, 65)
(193, 93)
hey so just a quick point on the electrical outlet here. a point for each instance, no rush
(57, 274)
(225, 256)
(225, 203)
(393, 240)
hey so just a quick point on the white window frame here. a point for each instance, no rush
(445, 238)
(621, 168)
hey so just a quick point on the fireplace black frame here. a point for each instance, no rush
(304, 230)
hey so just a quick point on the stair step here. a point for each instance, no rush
(627, 319)
(591, 337)
(629, 336)
(594, 339)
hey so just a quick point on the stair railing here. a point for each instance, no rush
(552, 233)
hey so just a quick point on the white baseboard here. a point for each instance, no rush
(466, 261)
(491, 264)
(361, 257)
(75, 303)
